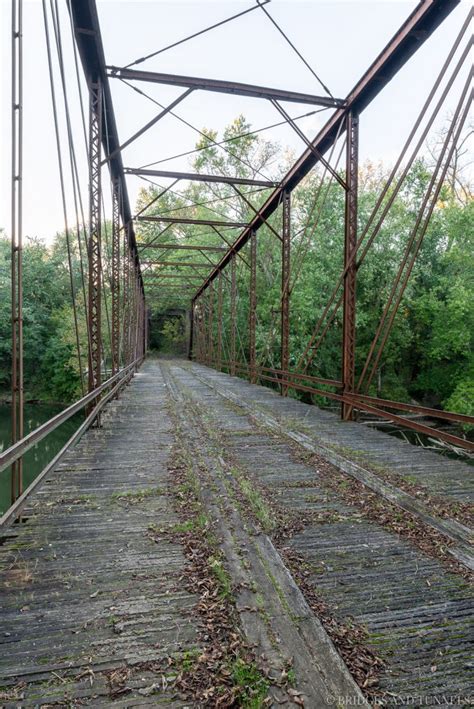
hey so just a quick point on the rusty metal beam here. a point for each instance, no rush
(424, 19)
(350, 243)
(252, 308)
(176, 263)
(307, 142)
(115, 280)
(233, 314)
(191, 332)
(219, 320)
(147, 126)
(210, 345)
(197, 177)
(179, 276)
(17, 394)
(227, 87)
(285, 286)
(95, 246)
(182, 220)
(183, 247)
(88, 38)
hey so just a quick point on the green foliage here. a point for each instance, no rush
(50, 360)
(462, 399)
(428, 355)
(253, 685)
(172, 334)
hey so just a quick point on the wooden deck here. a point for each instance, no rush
(92, 607)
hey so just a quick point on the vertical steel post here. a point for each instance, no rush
(134, 304)
(130, 293)
(125, 297)
(203, 327)
(115, 283)
(198, 331)
(147, 330)
(350, 240)
(95, 142)
(210, 347)
(285, 286)
(17, 243)
(191, 331)
(219, 321)
(233, 314)
(253, 307)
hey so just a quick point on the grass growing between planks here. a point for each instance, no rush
(136, 496)
(221, 669)
(261, 510)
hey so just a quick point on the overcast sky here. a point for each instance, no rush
(339, 40)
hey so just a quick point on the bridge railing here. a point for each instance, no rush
(96, 399)
(369, 404)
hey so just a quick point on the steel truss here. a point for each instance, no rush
(214, 335)
(351, 394)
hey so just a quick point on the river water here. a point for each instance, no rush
(37, 458)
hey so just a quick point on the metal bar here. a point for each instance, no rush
(183, 247)
(226, 87)
(285, 286)
(17, 403)
(152, 243)
(233, 313)
(253, 308)
(257, 212)
(154, 277)
(191, 332)
(148, 125)
(181, 220)
(401, 406)
(115, 281)
(350, 244)
(95, 204)
(176, 263)
(219, 320)
(210, 347)
(155, 199)
(165, 287)
(125, 298)
(229, 244)
(407, 423)
(196, 34)
(197, 177)
(307, 142)
(407, 40)
(296, 375)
